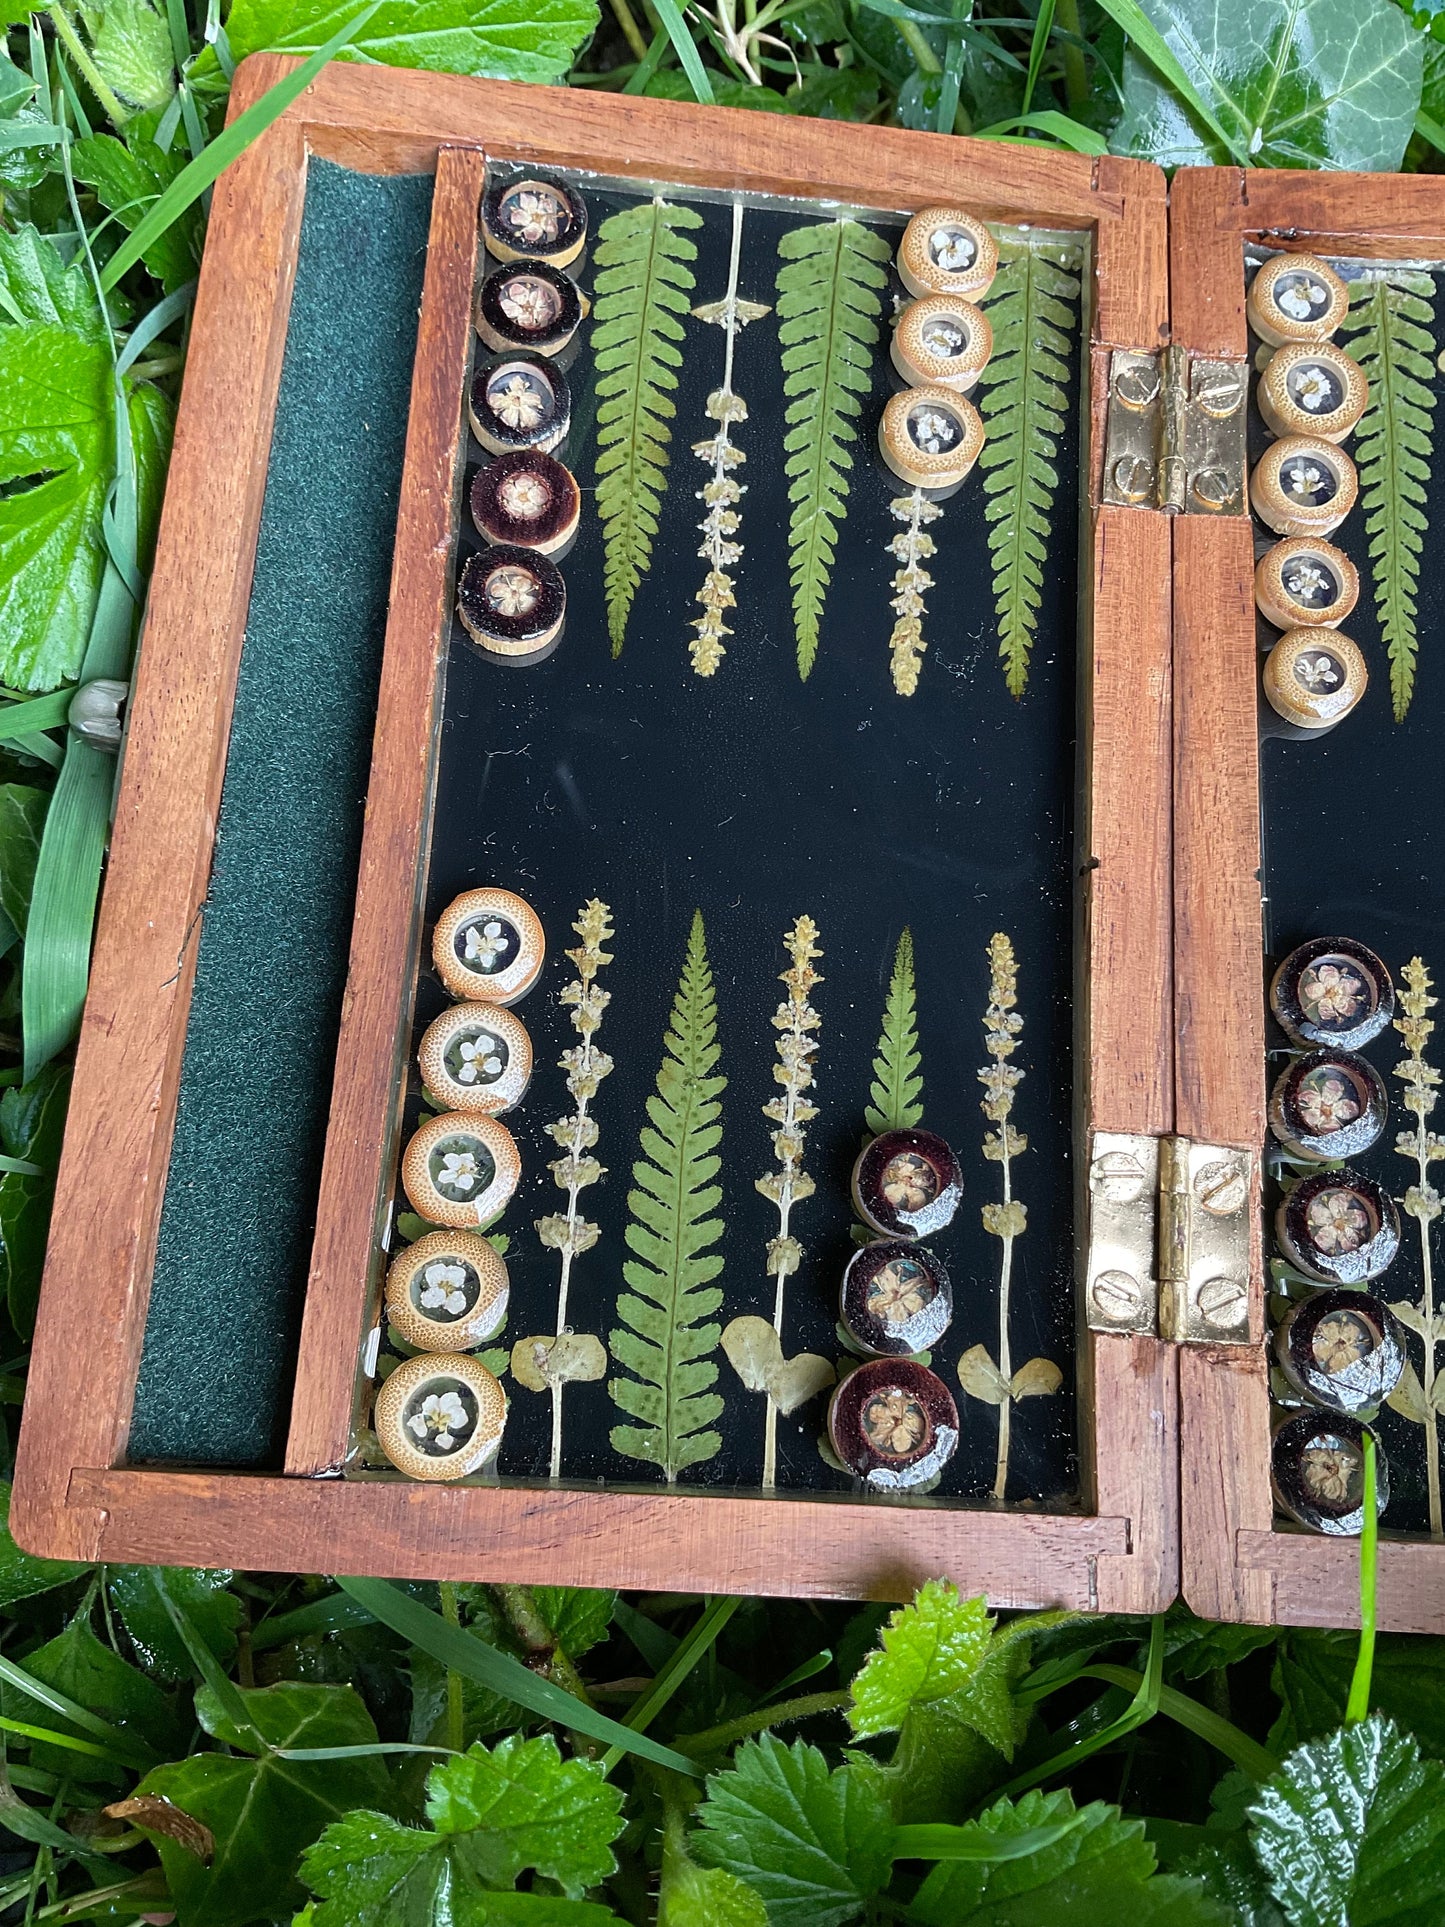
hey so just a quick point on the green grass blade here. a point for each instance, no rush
(199, 174)
(670, 15)
(40, 712)
(116, 1743)
(700, 1640)
(62, 906)
(462, 1652)
(1152, 46)
(939, 1841)
(1357, 1707)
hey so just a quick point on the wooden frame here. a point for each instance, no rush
(1236, 1563)
(74, 1496)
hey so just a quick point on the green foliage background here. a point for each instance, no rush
(228, 1748)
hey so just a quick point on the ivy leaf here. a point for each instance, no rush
(1390, 319)
(830, 295)
(1099, 1874)
(22, 1575)
(132, 53)
(22, 817)
(897, 1088)
(643, 289)
(1024, 401)
(1291, 83)
(508, 39)
(264, 1811)
(662, 1343)
(205, 1599)
(815, 1845)
(128, 177)
(1351, 1831)
(931, 1651)
(32, 1122)
(78, 1665)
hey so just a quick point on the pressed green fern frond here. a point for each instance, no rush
(1389, 319)
(830, 295)
(897, 1090)
(663, 1345)
(1024, 401)
(643, 287)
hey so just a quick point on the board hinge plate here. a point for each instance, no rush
(1174, 434)
(1168, 1238)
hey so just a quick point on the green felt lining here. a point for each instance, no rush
(235, 1236)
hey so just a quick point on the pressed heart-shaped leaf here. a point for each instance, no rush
(263, 1812)
(562, 1358)
(509, 39)
(980, 1377)
(755, 1353)
(1291, 83)
(1351, 1831)
(817, 1846)
(1099, 1874)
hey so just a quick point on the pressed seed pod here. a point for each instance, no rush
(895, 1298)
(907, 1184)
(1328, 1105)
(528, 307)
(1343, 1349)
(520, 401)
(440, 1417)
(489, 946)
(447, 1292)
(461, 1169)
(537, 218)
(476, 1057)
(1339, 1227)
(1312, 391)
(946, 251)
(1313, 678)
(893, 1423)
(527, 500)
(930, 437)
(1303, 486)
(512, 603)
(1296, 298)
(1305, 583)
(1318, 1463)
(941, 341)
(1332, 990)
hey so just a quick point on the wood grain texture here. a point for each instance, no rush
(102, 1242)
(785, 1547)
(1224, 1435)
(1316, 1582)
(1131, 1431)
(376, 1011)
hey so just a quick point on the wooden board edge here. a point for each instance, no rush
(805, 1547)
(127, 1074)
(376, 1013)
(1224, 1436)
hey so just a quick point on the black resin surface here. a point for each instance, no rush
(755, 797)
(1354, 845)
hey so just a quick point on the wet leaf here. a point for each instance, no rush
(21, 1574)
(204, 1597)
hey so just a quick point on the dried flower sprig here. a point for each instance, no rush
(912, 547)
(569, 1232)
(1420, 1398)
(722, 494)
(999, 1384)
(797, 1023)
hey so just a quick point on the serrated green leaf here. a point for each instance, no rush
(815, 1845)
(22, 1575)
(1024, 401)
(1389, 329)
(522, 1806)
(1311, 1680)
(36, 285)
(133, 54)
(508, 39)
(206, 1599)
(673, 1270)
(264, 1811)
(1288, 83)
(931, 1651)
(1351, 1831)
(1099, 1874)
(830, 296)
(693, 1896)
(897, 1088)
(643, 291)
(128, 177)
(579, 1618)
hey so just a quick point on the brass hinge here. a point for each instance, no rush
(1168, 1238)
(1174, 436)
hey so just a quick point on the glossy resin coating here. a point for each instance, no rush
(1303, 485)
(461, 1169)
(893, 1423)
(1305, 583)
(1344, 1349)
(440, 1417)
(896, 1297)
(512, 602)
(447, 1292)
(930, 436)
(1312, 390)
(1296, 298)
(1328, 1104)
(528, 306)
(1318, 1466)
(942, 340)
(519, 401)
(1332, 990)
(476, 1057)
(526, 500)
(1313, 678)
(907, 1184)
(489, 946)
(947, 251)
(1339, 1227)
(536, 218)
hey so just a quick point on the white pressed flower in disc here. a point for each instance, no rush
(484, 946)
(458, 1173)
(443, 1289)
(479, 1059)
(443, 1417)
(518, 402)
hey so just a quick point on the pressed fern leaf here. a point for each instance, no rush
(1024, 403)
(1390, 317)
(643, 287)
(897, 1089)
(663, 1345)
(830, 295)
